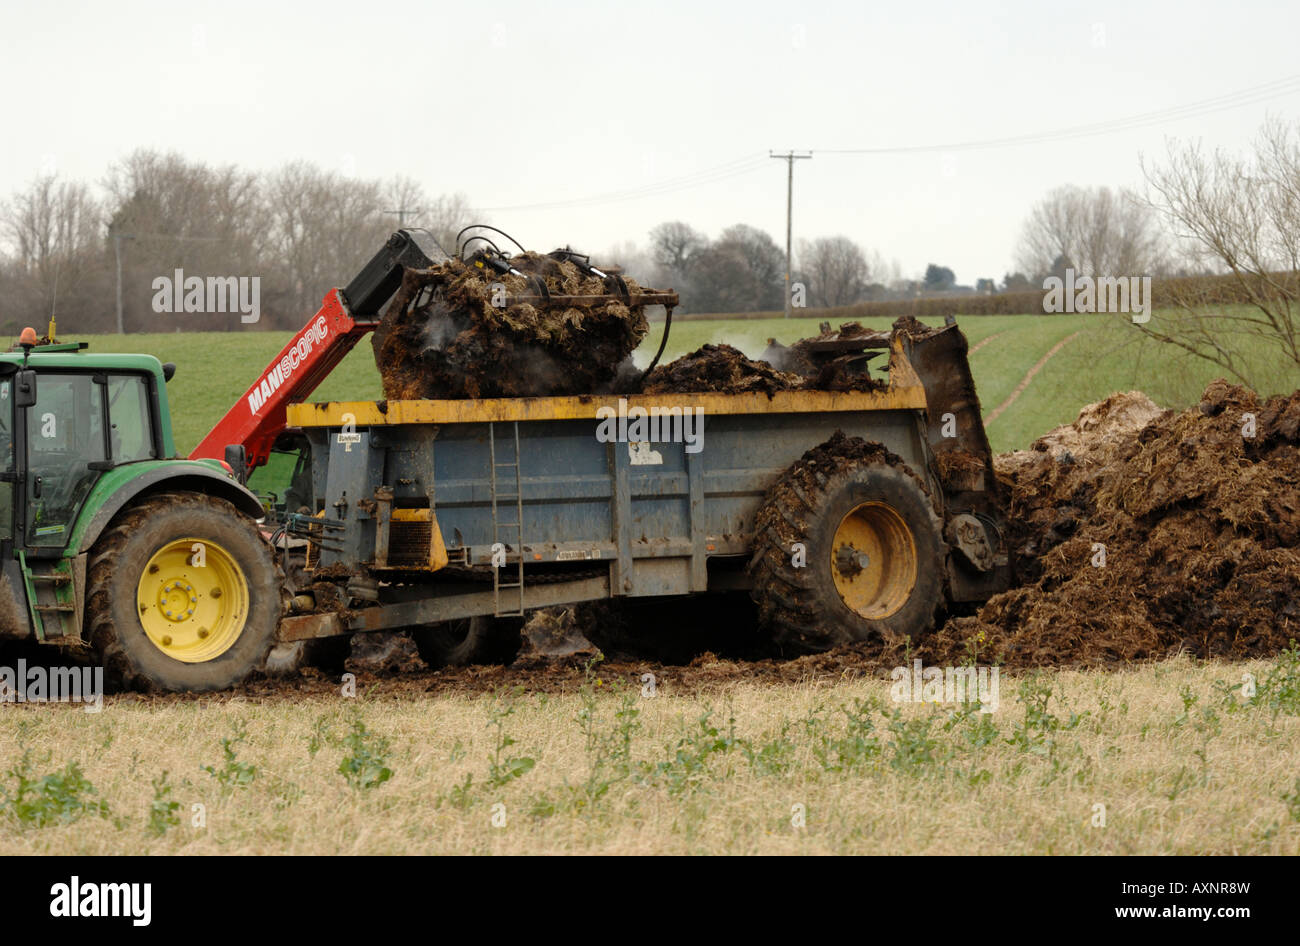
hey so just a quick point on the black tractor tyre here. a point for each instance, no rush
(477, 640)
(847, 548)
(121, 558)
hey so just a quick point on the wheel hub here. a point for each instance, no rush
(849, 561)
(177, 600)
(192, 607)
(873, 560)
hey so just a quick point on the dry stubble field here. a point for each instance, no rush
(1180, 760)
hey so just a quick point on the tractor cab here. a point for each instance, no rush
(67, 419)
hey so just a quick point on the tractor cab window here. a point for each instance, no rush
(128, 414)
(65, 434)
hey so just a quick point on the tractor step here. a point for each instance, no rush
(55, 578)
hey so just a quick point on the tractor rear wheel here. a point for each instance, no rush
(847, 548)
(183, 593)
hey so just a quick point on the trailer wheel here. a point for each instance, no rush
(183, 593)
(847, 548)
(479, 640)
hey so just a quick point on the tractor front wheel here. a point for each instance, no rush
(182, 594)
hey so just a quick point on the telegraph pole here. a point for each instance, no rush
(118, 237)
(401, 213)
(789, 158)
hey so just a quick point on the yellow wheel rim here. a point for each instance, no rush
(873, 560)
(192, 600)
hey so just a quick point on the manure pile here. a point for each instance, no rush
(1137, 532)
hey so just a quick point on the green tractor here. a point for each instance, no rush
(112, 546)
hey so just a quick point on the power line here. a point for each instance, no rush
(750, 163)
(1242, 97)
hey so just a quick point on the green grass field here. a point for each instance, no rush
(1107, 355)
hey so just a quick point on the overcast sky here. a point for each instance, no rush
(522, 104)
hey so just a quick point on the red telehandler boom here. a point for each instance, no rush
(249, 430)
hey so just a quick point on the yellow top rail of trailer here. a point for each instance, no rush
(904, 392)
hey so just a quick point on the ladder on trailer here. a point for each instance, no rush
(507, 535)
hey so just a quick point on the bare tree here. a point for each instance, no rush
(166, 198)
(169, 213)
(1095, 231)
(743, 271)
(301, 230)
(835, 270)
(1238, 216)
(324, 227)
(52, 229)
(764, 259)
(720, 282)
(674, 244)
(405, 202)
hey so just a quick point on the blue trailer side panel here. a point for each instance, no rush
(653, 511)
